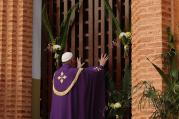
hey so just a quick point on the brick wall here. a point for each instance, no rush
(150, 18)
(175, 21)
(15, 59)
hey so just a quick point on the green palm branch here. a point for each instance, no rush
(47, 24)
(67, 22)
(64, 28)
(112, 16)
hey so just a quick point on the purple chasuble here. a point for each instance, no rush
(86, 98)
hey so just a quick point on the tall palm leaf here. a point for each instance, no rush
(112, 16)
(47, 24)
(161, 72)
(65, 26)
(61, 37)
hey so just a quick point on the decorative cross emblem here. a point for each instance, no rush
(97, 68)
(62, 77)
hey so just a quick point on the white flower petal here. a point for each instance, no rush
(56, 47)
(122, 34)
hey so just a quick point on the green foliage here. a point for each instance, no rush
(61, 37)
(166, 102)
(112, 16)
(67, 22)
(47, 24)
(121, 96)
(124, 37)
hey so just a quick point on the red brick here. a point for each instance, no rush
(16, 40)
(150, 18)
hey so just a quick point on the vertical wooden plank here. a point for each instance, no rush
(64, 14)
(73, 35)
(110, 64)
(50, 9)
(90, 26)
(118, 55)
(46, 65)
(81, 31)
(58, 16)
(96, 15)
(102, 28)
(127, 15)
(65, 7)
(49, 65)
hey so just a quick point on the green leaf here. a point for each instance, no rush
(67, 22)
(162, 74)
(46, 23)
(111, 14)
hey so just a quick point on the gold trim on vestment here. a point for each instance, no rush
(59, 93)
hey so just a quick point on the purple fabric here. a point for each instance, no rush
(86, 100)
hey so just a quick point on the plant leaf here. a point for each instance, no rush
(162, 74)
(111, 14)
(67, 22)
(46, 23)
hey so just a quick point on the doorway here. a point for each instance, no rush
(91, 35)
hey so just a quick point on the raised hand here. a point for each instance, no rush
(103, 59)
(79, 64)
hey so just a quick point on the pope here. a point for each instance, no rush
(78, 93)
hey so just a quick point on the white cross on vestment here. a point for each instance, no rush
(62, 77)
(98, 68)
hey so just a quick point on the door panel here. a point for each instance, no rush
(90, 35)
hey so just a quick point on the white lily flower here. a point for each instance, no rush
(117, 105)
(122, 34)
(57, 47)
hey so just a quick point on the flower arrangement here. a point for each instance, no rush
(119, 101)
(125, 39)
(57, 42)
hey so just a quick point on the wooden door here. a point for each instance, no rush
(91, 35)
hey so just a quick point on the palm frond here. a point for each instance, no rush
(67, 22)
(46, 23)
(162, 74)
(112, 16)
